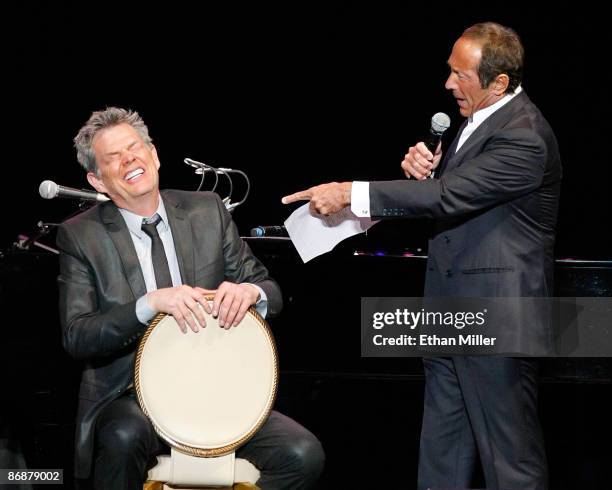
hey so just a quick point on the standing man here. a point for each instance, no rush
(123, 262)
(494, 204)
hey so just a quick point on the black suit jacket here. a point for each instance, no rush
(495, 211)
(101, 280)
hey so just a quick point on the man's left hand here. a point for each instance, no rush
(231, 302)
(324, 199)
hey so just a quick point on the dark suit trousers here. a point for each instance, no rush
(287, 455)
(481, 408)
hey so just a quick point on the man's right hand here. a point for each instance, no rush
(419, 162)
(183, 303)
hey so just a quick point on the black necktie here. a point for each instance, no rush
(158, 254)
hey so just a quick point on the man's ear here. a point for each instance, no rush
(500, 84)
(96, 183)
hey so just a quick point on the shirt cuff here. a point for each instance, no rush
(262, 303)
(360, 199)
(144, 312)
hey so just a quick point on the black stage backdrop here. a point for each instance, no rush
(294, 95)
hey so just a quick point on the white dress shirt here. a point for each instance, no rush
(480, 116)
(142, 244)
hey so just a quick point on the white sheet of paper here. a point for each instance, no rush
(313, 235)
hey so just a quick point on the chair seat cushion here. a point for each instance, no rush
(244, 471)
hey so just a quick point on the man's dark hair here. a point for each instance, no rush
(502, 52)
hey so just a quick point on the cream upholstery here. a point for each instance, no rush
(207, 389)
(180, 469)
(206, 394)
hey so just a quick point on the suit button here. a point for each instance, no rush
(449, 273)
(446, 239)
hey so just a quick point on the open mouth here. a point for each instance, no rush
(134, 174)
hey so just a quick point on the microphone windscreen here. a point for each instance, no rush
(440, 122)
(48, 189)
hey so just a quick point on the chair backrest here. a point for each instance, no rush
(207, 393)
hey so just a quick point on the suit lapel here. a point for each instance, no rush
(496, 120)
(450, 154)
(182, 237)
(120, 235)
(476, 137)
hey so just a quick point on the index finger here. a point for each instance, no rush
(204, 303)
(200, 293)
(298, 196)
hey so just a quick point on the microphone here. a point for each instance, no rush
(204, 167)
(440, 122)
(218, 170)
(229, 205)
(263, 231)
(50, 190)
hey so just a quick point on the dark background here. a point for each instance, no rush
(293, 94)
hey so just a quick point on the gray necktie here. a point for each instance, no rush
(158, 254)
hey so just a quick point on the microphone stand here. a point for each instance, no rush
(25, 243)
(201, 169)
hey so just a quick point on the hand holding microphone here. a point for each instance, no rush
(420, 162)
(423, 158)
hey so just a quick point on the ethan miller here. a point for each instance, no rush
(472, 339)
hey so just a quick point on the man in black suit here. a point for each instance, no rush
(126, 260)
(494, 204)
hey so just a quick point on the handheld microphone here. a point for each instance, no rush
(50, 190)
(263, 231)
(440, 122)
